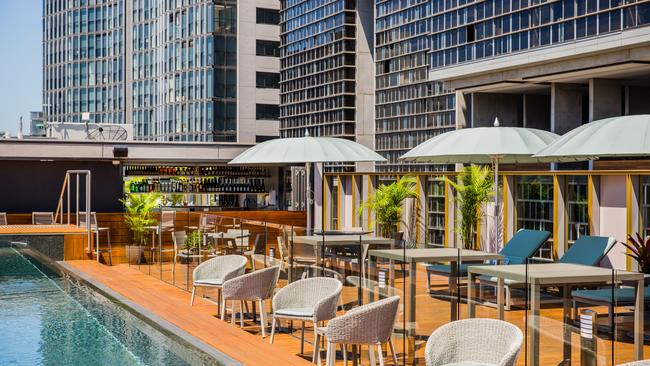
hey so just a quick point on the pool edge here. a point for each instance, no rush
(148, 316)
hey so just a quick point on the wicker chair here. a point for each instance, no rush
(370, 324)
(43, 218)
(214, 272)
(3, 218)
(255, 286)
(478, 340)
(637, 363)
(311, 299)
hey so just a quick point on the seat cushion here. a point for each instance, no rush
(494, 280)
(209, 282)
(446, 269)
(621, 295)
(470, 363)
(296, 312)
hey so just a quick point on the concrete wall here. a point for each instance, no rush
(613, 217)
(637, 100)
(365, 81)
(605, 98)
(566, 107)
(507, 107)
(537, 111)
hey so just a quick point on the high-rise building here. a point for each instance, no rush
(326, 72)
(410, 108)
(190, 70)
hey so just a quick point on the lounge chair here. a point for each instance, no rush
(624, 296)
(214, 272)
(42, 218)
(474, 342)
(522, 246)
(587, 251)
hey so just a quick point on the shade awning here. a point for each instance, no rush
(301, 150)
(624, 136)
(480, 145)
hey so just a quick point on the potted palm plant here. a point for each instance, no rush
(474, 187)
(138, 217)
(387, 201)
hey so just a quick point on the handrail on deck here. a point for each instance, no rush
(65, 192)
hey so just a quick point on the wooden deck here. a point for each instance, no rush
(172, 304)
(60, 229)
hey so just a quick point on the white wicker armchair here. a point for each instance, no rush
(214, 272)
(255, 286)
(637, 363)
(479, 340)
(370, 324)
(311, 299)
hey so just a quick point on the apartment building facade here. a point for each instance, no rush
(178, 70)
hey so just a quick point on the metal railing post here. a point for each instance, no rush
(67, 182)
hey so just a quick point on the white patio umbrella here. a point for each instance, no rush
(306, 150)
(483, 145)
(624, 136)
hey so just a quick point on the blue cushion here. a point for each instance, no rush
(446, 268)
(621, 295)
(523, 245)
(587, 250)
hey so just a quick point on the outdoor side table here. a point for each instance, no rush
(556, 274)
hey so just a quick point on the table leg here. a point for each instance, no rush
(453, 287)
(566, 307)
(533, 325)
(500, 300)
(371, 264)
(360, 287)
(471, 305)
(638, 321)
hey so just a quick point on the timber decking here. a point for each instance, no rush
(40, 229)
(173, 305)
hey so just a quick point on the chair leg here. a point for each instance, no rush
(223, 309)
(272, 328)
(302, 339)
(344, 349)
(315, 358)
(219, 307)
(331, 354)
(508, 298)
(428, 281)
(241, 313)
(193, 293)
(263, 318)
(233, 313)
(371, 355)
(110, 247)
(380, 355)
(392, 350)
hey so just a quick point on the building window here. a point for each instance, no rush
(263, 138)
(267, 80)
(534, 205)
(267, 111)
(578, 208)
(268, 16)
(267, 48)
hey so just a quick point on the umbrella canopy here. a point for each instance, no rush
(624, 136)
(480, 145)
(300, 150)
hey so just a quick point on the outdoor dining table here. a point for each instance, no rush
(564, 275)
(343, 240)
(433, 255)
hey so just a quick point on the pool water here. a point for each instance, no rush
(47, 320)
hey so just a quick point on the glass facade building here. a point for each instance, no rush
(410, 109)
(169, 67)
(83, 60)
(318, 68)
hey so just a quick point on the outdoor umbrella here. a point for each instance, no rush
(624, 136)
(306, 150)
(483, 145)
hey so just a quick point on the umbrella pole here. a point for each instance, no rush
(308, 197)
(496, 203)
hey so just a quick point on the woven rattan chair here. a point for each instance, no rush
(637, 363)
(3, 218)
(255, 286)
(484, 341)
(311, 299)
(370, 324)
(214, 272)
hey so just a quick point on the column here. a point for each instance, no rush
(605, 98)
(566, 107)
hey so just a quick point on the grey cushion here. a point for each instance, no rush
(621, 295)
(470, 363)
(210, 282)
(297, 312)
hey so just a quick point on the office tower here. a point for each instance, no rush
(410, 108)
(178, 70)
(326, 83)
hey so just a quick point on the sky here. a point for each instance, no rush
(20, 62)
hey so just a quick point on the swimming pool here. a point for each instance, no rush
(51, 320)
